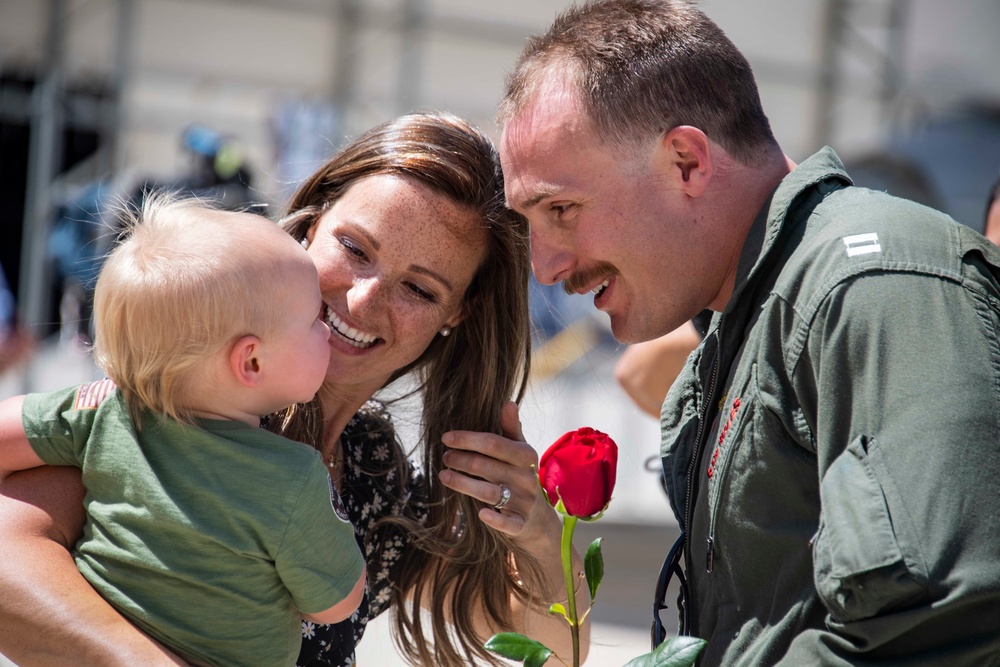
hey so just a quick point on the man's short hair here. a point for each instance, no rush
(644, 67)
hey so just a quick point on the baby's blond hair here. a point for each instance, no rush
(179, 288)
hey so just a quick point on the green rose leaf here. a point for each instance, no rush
(514, 646)
(593, 566)
(674, 652)
(557, 608)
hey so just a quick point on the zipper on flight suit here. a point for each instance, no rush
(689, 497)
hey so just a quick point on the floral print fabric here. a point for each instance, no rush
(371, 489)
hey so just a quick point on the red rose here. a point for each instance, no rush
(579, 468)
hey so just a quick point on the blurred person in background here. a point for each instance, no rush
(647, 370)
(424, 274)
(15, 343)
(830, 450)
(85, 221)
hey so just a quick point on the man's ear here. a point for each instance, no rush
(245, 361)
(685, 155)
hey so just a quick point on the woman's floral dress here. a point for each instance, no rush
(370, 490)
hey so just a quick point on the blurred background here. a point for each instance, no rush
(241, 99)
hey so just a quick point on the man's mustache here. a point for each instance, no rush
(583, 279)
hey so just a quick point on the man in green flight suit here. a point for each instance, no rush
(832, 449)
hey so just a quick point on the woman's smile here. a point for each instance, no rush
(349, 334)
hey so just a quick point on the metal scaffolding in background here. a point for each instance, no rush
(48, 111)
(866, 32)
(44, 153)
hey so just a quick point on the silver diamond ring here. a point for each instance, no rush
(504, 498)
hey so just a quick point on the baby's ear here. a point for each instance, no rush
(245, 360)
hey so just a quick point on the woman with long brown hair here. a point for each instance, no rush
(424, 275)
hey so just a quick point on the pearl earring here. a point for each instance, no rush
(304, 243)
(445, 331)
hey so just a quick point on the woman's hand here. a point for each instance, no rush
(480, 465)
(501, 462)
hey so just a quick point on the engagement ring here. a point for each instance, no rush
(504, 498)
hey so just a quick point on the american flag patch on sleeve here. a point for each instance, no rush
(90, 395)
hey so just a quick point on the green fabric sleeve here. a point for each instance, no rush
(319, 560)
(901, 383)
(56, 429)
